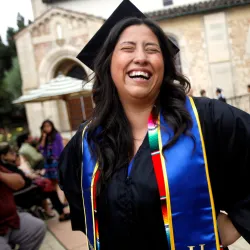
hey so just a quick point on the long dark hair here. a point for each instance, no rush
(113, 146)
(52, 135)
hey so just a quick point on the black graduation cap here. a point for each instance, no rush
(124, 10)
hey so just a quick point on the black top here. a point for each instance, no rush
(129, 212)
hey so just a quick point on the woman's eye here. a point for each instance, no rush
(152, 50)
(128, 48)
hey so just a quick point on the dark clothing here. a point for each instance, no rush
(34, 195)
(8, 212)
(31, 194)
(222, 99)
(130, 214)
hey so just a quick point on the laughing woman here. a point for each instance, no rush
(153, 168)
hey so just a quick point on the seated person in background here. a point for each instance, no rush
(29, 153)
(16, 228)
(36, 190)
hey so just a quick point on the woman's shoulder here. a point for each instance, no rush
(216, 110)
(205, 102)
(58, 135)
(75, 143)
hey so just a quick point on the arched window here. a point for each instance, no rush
(59, 31)
(70, 68)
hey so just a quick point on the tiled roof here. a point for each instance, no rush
(195, 8)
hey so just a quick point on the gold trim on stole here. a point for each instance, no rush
(207, 173)
(166, 186)
(86, 228)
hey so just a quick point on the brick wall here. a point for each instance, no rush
(76, 115)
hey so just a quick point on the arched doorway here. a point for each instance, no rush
(79, 109)
(71, 68)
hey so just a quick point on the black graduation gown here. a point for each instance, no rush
(129, 211)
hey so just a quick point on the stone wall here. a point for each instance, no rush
(239, 34)
(214, 50)
(27, 61)
(38, 7)
(190, 35)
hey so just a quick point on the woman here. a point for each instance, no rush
(51, 146)
(139, 175)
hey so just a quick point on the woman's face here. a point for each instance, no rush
(47, 128)
(137, 65)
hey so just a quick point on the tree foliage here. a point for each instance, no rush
(5, 59)
(13, 80)
(10, 77)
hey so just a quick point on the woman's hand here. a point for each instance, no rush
(228, 232)
(42, 143)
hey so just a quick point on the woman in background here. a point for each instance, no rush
(51, 146)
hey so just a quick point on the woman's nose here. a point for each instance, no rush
(140, 57)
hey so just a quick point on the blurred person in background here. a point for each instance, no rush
(220, 96)
(248, 88)
(203, 93)
(29, 153)
(37, 189)
(16, 228)
(51, 146)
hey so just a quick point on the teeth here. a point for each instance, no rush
(139, 73)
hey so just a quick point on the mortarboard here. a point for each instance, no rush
(124, 10)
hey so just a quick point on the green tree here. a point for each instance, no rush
(11, 40)
(10, 78)
(20, 22)
(5, 59)
(13, 81)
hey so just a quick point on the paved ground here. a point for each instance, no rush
(61, 237)
(51, 243)
(64, 234)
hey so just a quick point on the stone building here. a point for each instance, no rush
(213, 36)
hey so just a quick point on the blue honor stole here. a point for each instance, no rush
(189, 217)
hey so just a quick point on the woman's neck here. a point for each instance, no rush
(137, 116)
